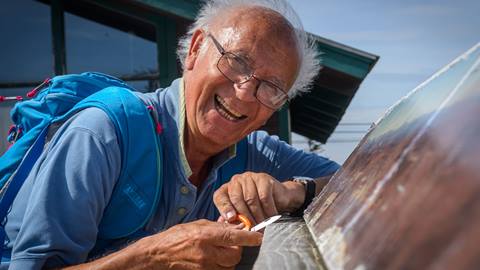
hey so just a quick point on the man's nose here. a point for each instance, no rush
(246, 91)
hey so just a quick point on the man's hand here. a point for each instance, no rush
(197, 245)
(257, 196)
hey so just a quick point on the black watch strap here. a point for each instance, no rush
(309, 195)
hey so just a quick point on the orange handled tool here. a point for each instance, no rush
(246, 222)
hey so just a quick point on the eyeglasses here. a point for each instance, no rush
(236, 70)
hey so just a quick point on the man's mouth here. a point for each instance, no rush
(227, 112)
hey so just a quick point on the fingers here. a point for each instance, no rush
(236, 195)
(228, 256)
(234, 237)
(250, 195)
(266, 196)
(223, 204)
(201, 244)
(221, 219)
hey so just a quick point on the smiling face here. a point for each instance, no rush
(219, 112)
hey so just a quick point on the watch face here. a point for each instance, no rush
(302, 179)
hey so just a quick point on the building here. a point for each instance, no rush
(136, 41)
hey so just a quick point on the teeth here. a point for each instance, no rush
(224, 104)
(226, 111)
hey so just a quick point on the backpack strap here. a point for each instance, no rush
(139, 186)
(234, 166)
(16, 182)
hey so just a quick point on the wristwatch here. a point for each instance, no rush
(309, 185)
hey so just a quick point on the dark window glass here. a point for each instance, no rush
(26, 44)
(145, 85)
(92, 46)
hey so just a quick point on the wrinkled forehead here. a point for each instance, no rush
(262, 37)
(254, 25)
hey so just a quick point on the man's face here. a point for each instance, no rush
(220, 112)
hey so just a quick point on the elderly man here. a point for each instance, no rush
(241, 63)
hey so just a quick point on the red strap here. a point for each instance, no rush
(11, 128)
(4, 98)
(153, 113)
(36, 89)
(159, 128)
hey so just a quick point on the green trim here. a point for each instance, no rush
(284, 129)
(58, 37)
(128, 9)
(181, 8)
(344, 62)
(343, 58)
(151, 10)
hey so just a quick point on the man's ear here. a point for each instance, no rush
(194, 50)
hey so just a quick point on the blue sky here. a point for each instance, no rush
(413, 38)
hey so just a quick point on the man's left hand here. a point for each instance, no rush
(257, 196)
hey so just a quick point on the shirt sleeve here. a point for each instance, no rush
(271, 155)
(64, 196)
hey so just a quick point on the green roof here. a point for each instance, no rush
(316, 114)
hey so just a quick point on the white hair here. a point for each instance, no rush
(309, 56)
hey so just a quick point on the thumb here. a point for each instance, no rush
(224, 205)
(235, 237)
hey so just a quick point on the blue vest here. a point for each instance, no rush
(136, 193)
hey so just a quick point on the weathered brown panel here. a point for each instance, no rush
(409, 195)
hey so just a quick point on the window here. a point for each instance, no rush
(92, 46)
(26, 47)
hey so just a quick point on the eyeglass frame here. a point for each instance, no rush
(223, 52)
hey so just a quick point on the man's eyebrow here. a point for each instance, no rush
(276, 81)
(245, 57)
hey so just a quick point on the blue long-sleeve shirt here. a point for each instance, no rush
(55, 216)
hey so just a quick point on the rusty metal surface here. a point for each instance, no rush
(409, 195)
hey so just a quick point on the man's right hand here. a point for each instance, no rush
(200, 244)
